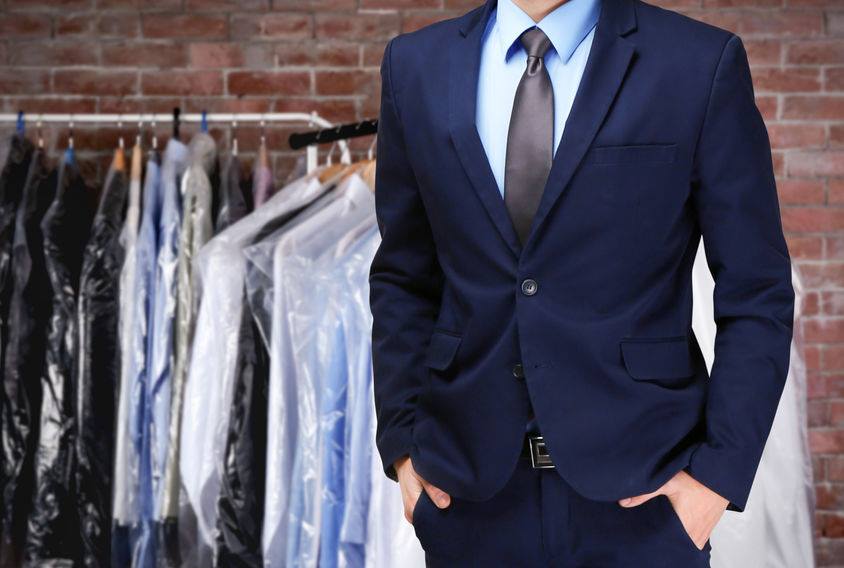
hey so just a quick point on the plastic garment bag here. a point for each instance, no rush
(12, 180)
(775, 529)
(351, 294)
(291, 528)
(235, 200)
(195, 231)
(136, 291)
(52, 530)
(155, 408)
(241, 502)
(208, 392)
(98, 360)
(28, 315)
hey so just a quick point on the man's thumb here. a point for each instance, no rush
(638, 499)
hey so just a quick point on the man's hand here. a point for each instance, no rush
(412, 485)
(698, 507)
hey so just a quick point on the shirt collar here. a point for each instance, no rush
(566, 26)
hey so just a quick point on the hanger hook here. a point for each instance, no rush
(234, 135)
(263, 130)
(70, 133)
(154, 135)
(140, 130)
(370, 154)
(39, 133)
(328, 158)
(120, 142)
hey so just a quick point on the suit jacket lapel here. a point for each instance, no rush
(463, 89)
(606, 67)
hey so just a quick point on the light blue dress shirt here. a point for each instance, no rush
(570, 28)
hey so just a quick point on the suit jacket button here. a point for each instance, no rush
(529, 287)
(518, 371)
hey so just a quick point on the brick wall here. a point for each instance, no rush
(323, 55)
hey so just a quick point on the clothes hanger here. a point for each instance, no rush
(135, 169)
(119, 162)
(234, 137)
(70, 153)
(368, 173)
(39, 133)
(263, 159)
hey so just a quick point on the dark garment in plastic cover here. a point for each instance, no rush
(241, 502)
(53, 528)
(12, 180)
(98, 361)
(234, 196)
(28, 315)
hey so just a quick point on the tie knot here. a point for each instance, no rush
(536, 42)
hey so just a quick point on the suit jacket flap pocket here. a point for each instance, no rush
(441, 350)
(657, 358)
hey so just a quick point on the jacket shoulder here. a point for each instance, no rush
(670, 29)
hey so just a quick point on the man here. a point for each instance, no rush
(546, 171)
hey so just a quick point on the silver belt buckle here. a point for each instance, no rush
(539, 456)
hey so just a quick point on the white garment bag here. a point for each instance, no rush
(775, 529)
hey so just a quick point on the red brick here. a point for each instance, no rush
(829, 496)
(61, 105)
(373, 53)
(834, 78)
(399, 4)
(811, 304)
(831, 525)
(786, 80)
(357, 26)
(828, 163)
(763, 51)
(218, 55)
(826, 275)
(824, 330)
(54, 54)
(144, 104)
(119, 25)
(196, 26)
(801, 191)
(835, 468)
(767, 23)
(315, 5)
(146, 5)
(796, 135)
(144, 54)
(815, 52)
(50, 4)
(72, 25)
(818, 413)
(269, 83)
(835, 23)
(832, 359)
(768, 106)
(742, 3)
(812, 219)
(836, 191)
(86, 82)
(832, 302)
(835, 246)
(416, 20)
(24, 81)
(814, 107)
(292, 26)
(182, 83)
(827, 441)
(318, 55)
(805, 248)
(24, 25)
(227, 5)
(346, 82)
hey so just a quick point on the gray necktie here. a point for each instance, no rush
(530, 138)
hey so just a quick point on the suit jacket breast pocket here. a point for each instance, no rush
(632, 154)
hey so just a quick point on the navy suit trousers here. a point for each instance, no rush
(538, 520)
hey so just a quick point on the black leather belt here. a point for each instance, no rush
(534, 450)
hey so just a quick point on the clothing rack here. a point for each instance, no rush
(177, 117)
(334, 133)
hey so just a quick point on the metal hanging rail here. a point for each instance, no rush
(177, 117)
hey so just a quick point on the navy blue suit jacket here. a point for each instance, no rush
(664, 145)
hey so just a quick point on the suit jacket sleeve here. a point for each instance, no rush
(405, 281)
(735, 198)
